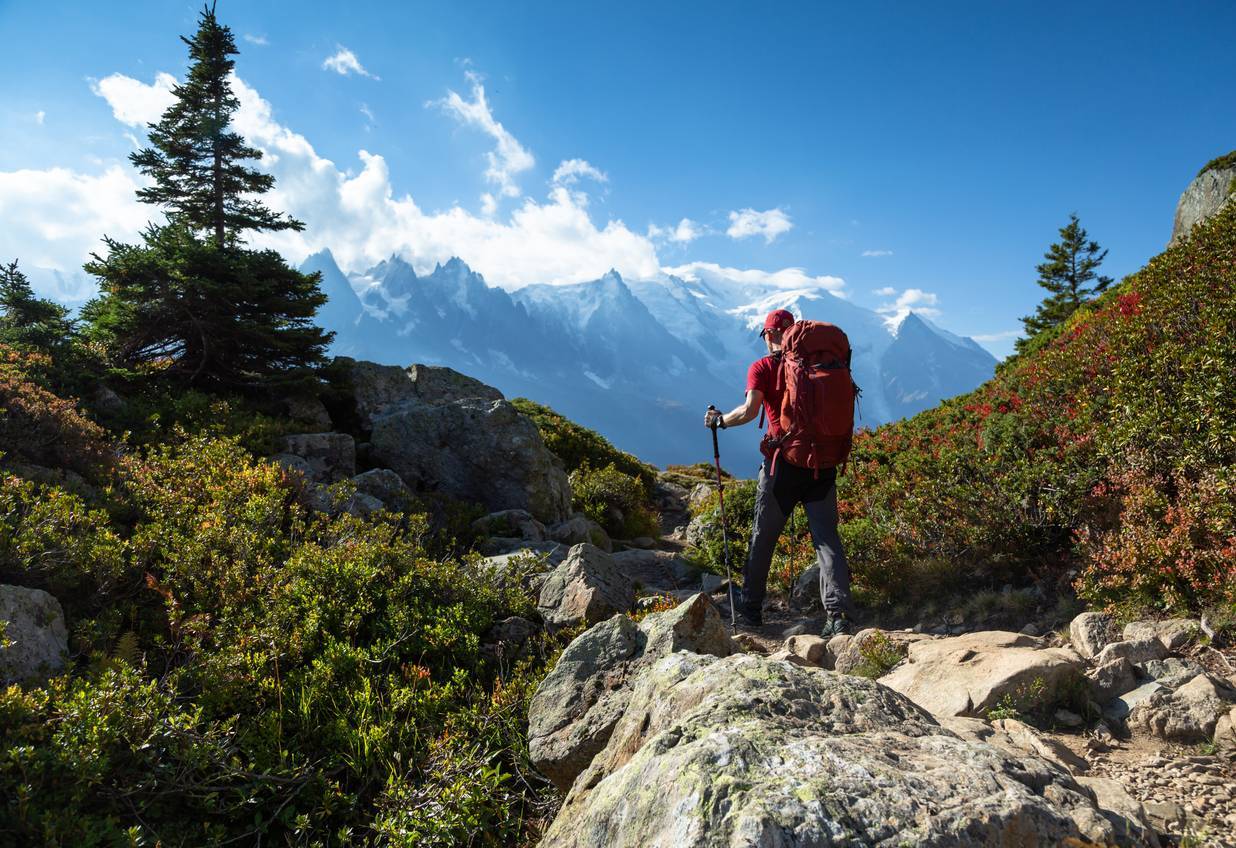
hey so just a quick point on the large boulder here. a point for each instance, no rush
(511, 524)
(1188, 714)
(1112, 679)
(385, 485)
(971, 674)
(1136, 651)
(751, 751)
(587, 588)
(442, 431)
(577, 704)
(860, 653)
(1127, 815)
(378, 389)
(1209, 192)
(33, 638)
(1091, 632)
(580, 528)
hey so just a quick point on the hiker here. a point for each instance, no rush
(799, 466)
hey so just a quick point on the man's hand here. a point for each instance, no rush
(738, 415)
(712, 417)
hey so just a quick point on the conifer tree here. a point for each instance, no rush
(192, 299)
(28, 321)
(1069, 275)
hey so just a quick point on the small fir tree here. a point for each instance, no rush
(1069, 275)
(191, 299)
(28, 321)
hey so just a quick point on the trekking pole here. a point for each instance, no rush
(725, 538)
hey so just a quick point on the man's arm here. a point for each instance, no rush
(739, 415)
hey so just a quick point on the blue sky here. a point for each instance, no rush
(900, 147)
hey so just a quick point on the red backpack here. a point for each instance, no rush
(817, 408)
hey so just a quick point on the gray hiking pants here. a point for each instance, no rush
(775, 499)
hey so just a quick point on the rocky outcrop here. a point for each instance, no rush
(33, 638)
(969, 675)
(1205, 196)
(442, 431)
(751, 751)
(1188, 714)
(579, 702)
(658, 569)
(580, 528)
(586, 588)
(1173, 633)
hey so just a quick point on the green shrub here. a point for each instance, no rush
(578, 446)
(614, 499)
(256, 671)
(879, 655)
(739, 509)
(1117, 430)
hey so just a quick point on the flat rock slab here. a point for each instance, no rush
(751, 751)
(970, 674)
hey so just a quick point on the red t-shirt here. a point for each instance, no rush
(762, 375)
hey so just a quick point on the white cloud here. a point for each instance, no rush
(786, 278)
(257, 40)
(910, 300)
(685, 232)
(344, 62)
(39, 117)
(509, 158)
(1003, 336)
(877, 253)
(745, 223)
(134, 103)
(887, 291)
(54, 218)
(571, 171)
(369, 118)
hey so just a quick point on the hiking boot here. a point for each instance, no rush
(835, 623)
(747, 617)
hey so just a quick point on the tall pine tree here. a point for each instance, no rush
(192, 300)
(1069, 275)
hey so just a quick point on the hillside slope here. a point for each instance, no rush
(1108, 448)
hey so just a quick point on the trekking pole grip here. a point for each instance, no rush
(716, 451)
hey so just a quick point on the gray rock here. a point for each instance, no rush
(580, 528)
(33, 638)
(510, 523)
(812, 649)
(379, 389)
(805, 593)
(1017, 738)
(1118, 709)
(670, 500)
(1091, 632)
(511, 633)
(1225, 731)
(526, 567)
(385, 485)
(328, 457)
(1174, 633)
(1189, 714)
(970, 674)
(711, 583)
(1068, 718)
(851, 653)
(700, 493)
(751, 751)
(1136, 651)
(1127, 815)
(484, 451)
(657, 569)
(1112, 679)
(1172, 672)
(334, 500)
(587, 588)
(308, 410)
(1205, 196)
(580, 700)
(107, 401)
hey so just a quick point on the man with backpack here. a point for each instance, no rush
(804, 387)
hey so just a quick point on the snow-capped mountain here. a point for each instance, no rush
(636, 360)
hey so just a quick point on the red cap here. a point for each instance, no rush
(778, 319)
